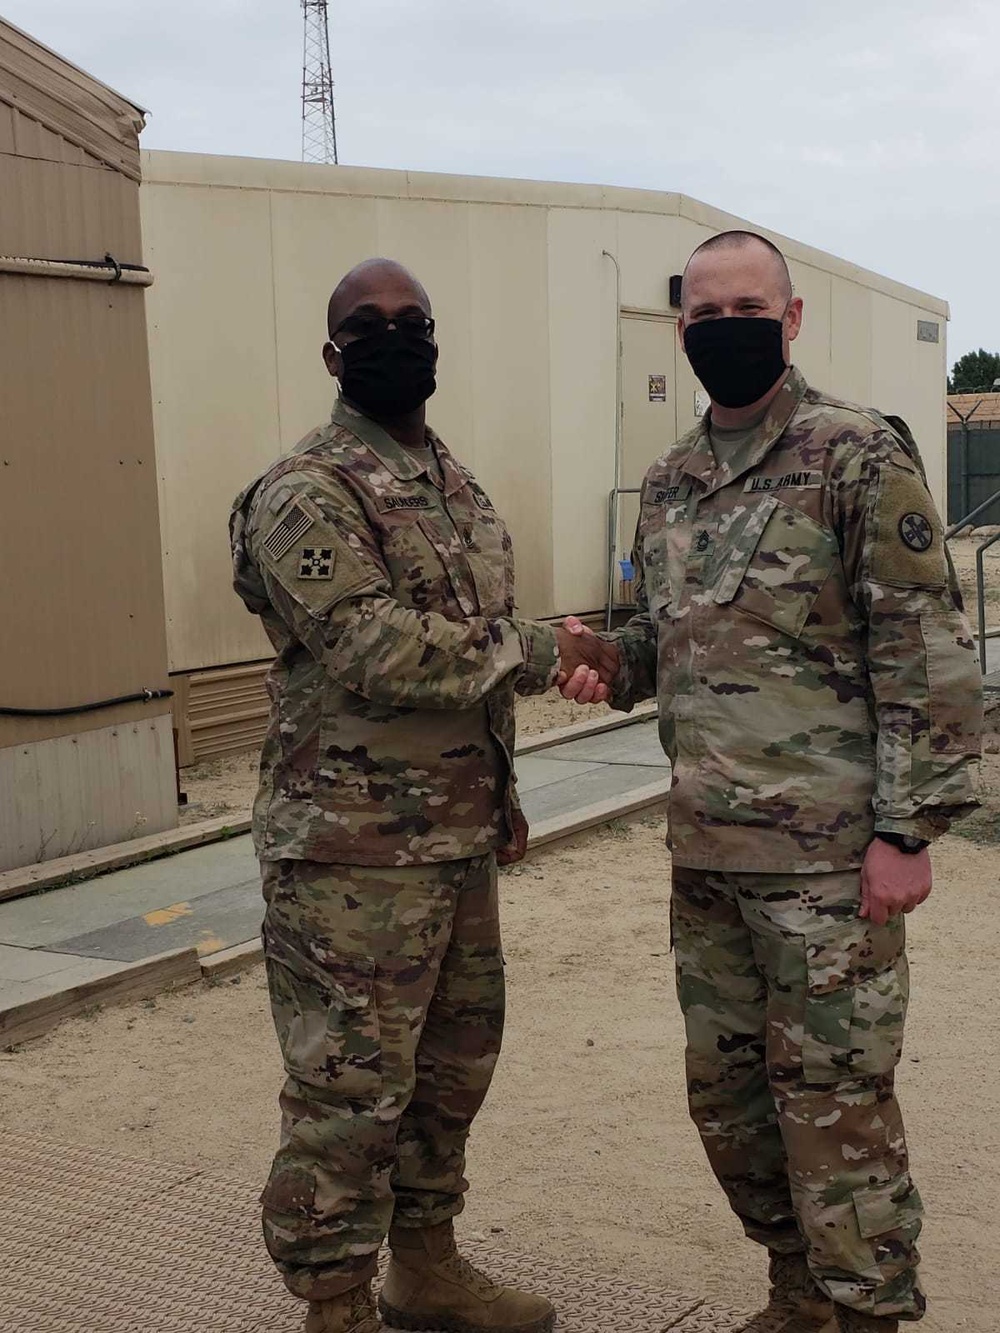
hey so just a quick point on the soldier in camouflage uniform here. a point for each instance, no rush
(800, 623)
(385, 580)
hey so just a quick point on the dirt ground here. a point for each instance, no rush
(584, 1149)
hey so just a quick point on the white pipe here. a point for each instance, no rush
(58, 268)
(613, 499)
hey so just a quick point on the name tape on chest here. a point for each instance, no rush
(664, 495)
(788, 481)
(387, 503)
(287, 531)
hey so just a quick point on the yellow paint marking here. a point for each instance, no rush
(164, 915)
(210, 943)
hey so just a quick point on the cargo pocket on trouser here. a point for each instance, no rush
(324, 1010)
(857, 988)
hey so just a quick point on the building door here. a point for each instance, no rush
(649, 410)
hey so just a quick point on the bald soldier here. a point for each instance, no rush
(800, 623)
(384, 577)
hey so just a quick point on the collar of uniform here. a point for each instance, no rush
(396, 459)
(453, 476)
(701, 463)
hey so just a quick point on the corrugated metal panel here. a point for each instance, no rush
(74, 793)
(219, 712)
(82, 599)
(69, 103)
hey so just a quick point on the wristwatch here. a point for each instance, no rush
(904, 842)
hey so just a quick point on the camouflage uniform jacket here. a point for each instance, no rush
(800, 622)
(390, 604)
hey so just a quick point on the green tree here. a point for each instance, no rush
(974, 372)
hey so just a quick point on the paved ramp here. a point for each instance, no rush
(95, 1243)
(79, 940)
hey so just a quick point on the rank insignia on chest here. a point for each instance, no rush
(316, 562)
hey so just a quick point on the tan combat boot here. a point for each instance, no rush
(852, 1321)
(430, 1286)
(795, 1304)
(351, 1312)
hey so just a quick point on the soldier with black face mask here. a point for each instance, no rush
(800, 624)
(384, 577)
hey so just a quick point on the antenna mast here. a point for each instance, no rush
(319, 124)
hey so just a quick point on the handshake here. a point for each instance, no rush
(587, 665)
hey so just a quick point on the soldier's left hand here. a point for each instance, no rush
(515, 850)
(892, 881)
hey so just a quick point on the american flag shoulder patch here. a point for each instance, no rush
(292, 525)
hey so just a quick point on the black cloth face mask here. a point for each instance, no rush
(736, 359)
(389, 374)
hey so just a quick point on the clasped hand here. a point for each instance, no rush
(587, 665)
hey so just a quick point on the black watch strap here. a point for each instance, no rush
(904, 843)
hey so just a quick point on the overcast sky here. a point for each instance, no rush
(868, 128)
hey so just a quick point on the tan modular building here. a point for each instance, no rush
(82, 602)
(525, 282)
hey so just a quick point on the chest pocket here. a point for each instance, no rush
(453, 567)
(775, 564)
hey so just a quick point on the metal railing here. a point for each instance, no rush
(613, 498)
(980, 573)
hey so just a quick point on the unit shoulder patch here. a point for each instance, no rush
(907, 535)
(916, 531)
(316, 562)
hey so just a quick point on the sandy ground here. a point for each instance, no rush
(584, 1149)
(227, 785)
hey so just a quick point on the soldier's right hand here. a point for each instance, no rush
(588, 665)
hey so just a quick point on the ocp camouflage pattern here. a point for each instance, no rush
(390, 604)
(801, 625)
(387, 992)
(794, 1009)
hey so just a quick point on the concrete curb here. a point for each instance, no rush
(88, 865)
(35, 1017)
(82, 866)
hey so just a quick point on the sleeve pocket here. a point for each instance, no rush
(953, 683)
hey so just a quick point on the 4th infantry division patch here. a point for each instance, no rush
(316, 562)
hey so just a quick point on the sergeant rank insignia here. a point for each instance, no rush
(916, 532)
(316, 562)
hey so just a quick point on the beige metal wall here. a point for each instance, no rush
(81, 600)
(247, 251)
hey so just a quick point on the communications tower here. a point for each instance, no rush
(319, 124)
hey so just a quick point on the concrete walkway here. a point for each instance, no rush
(81, 941)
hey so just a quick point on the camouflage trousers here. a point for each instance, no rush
(387, 991)
(794, 1009)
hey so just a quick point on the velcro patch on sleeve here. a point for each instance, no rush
(282, 536)
(323, 571)
(907, 544)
